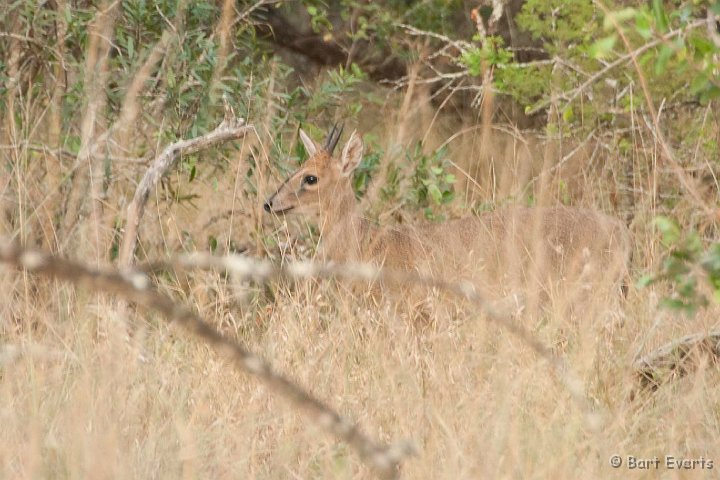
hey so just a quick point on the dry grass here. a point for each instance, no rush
(84, 402)
(83, 398)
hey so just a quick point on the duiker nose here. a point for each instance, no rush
(267, 206)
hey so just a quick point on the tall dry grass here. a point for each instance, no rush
(91, 391)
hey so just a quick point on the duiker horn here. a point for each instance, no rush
(333, 137)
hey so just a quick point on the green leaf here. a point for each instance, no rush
(472, 59)
(677, 305)
(645, 58)
(699, 83)
(683, 14)
(702, 46)
(170, 78)
(711, 93)
(662, 60)
(669, 229)
(686, 288)
(644, 281)
(675, 267)
(618, 17)
(603, 47)
(435, 193)
(658, 10)
(642, 26)
(711, 261)
(693, 243)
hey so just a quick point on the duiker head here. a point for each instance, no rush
(321, 177)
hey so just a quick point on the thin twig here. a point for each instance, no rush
(688, 184)
(568, 156)
(459, 44)
(249, 10)
(36, 42)
(90, 175)
(573, 94)
(58, 152)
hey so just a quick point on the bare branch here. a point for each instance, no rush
(136, 287)
(499, 313)
(131, 106)
(229, 129)
(677, 358)
(574, 93)
(461, 45)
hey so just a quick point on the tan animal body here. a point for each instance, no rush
(537, 248)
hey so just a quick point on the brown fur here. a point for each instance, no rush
(500, 251)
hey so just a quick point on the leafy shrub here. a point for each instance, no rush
(431, 185)
(692, 270)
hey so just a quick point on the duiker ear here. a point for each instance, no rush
(351, 154)
(310, 146)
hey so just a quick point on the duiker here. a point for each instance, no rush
(534, 249)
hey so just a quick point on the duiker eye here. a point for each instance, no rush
(310, 180)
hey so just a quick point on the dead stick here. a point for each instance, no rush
(229, 129)
(676, 358)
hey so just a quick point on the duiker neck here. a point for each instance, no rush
(342, 229)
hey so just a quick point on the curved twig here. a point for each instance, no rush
(230, 129)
